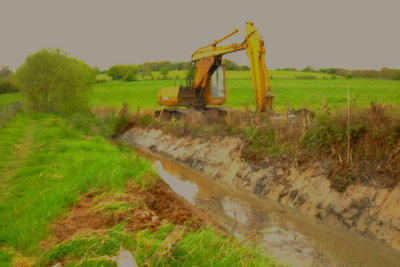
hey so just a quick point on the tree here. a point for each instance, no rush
(51, 81)
(164, 72)
(5, 72)
(130, 76)
(308, 69)
(7, 86)
(118, 72)
(230, 65)
(97, 70)
(349, 75)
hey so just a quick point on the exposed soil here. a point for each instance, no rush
(344, 197)
(146, 209)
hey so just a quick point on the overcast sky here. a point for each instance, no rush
(342, 33)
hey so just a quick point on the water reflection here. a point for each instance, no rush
(287, 235)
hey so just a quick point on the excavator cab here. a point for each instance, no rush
(218, 83)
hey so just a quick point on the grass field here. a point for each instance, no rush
(297, 93)
(48, 163)
(287, 90)
(9, 98)
(179, 74)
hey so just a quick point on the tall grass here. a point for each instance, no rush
(204, 247)
(55, 165)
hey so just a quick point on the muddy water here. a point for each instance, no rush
(288, 236)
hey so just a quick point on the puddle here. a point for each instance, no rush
(287, 235)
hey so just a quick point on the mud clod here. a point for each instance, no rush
(141, 209)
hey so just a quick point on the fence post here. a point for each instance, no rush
(1, 116)
(7, 111)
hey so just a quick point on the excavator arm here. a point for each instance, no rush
(255, 50)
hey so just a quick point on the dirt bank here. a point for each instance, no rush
(365, 209)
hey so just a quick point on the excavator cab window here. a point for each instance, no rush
(218, 82)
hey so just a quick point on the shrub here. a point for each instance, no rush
(164, 72)
(118, 72)
(5, 72)
(130, 76)
(8, 86)
(53, 82)
(306, 77)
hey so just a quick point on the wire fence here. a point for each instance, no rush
(7, 111)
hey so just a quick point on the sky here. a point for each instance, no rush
(352, 34)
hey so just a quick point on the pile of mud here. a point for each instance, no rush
(140, 209)
(369, 210)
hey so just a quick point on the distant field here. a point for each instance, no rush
(9, 98)
(297, 93)
(179, 74)
(287, 91)
(282, 75)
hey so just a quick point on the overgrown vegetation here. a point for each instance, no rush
(53, 82)
(366, 152)
(7, 85)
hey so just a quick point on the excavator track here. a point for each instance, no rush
(212, 113)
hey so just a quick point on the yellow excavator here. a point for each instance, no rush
(208, 87)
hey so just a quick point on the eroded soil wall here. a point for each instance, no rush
(367, 210)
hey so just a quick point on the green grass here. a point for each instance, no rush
(47, 165)
(312, 93)
(287, 90)
(9, 98)
(139, 93)
(48, 161)
(201, 248)
(297, 93)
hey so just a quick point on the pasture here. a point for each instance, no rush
(9, 98)
(297, 93)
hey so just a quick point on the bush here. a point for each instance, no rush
(306, 77)
(53, 82)
(118, 72)
(5, 72)
(164, 72)
(130, 77)
(8, 86)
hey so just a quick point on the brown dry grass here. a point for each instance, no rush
(140, 209)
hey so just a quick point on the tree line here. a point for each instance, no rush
(383, 73)
(130, 72)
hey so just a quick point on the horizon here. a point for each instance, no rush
(350, 35)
